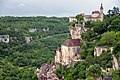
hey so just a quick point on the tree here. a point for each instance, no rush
(116, 74)
(94, 71)
(79, 17)
(116, 49)
(108, 38)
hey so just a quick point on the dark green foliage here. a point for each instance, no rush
(116, 74)
(79, 17)
(105, 60)
(94, 71)
(116, 49)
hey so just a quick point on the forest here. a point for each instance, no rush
(18, 59)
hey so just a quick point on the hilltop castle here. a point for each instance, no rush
(94, 16)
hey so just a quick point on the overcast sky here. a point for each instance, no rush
(53, 7)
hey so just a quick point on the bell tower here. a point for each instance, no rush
(101, 12)
(101, 8)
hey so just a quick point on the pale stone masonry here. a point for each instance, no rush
(69, 52)
(47, 72)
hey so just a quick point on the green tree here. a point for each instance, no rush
(94, 71)
(116, 74)
(108, 38)
(79, 17)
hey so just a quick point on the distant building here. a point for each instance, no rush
(32, 29)
(72, 19)
(28, 39)
(4, 38)
(94, 16)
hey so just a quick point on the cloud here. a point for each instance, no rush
(21, 5)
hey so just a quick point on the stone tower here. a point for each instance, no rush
(101, 12)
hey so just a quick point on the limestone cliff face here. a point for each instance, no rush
(77, 30)
(115, 63)
(47, 72)
(99, 50)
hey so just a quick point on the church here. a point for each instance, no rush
(69, 52)
(94, 16)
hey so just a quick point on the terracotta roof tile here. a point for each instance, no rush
(72, 42)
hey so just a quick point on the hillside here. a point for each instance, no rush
(20, 57)
(34, 40)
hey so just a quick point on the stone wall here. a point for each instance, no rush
(67, 55)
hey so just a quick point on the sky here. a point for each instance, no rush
(53, 7)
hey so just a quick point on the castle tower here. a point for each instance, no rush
(101, 12)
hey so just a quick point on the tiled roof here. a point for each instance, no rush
(72, 17)
(87, 16)
(95, 12)
(90, 17)
(72, 42)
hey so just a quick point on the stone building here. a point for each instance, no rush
(47, 72)
(94, 16)
(4, 38)
(72, 19)
(69, 52)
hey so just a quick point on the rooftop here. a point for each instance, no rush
(72, 42)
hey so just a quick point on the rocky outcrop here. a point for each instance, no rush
(115, 63)
(99, 50)
(77, 30)
(47, 72)
(32, 29)
(28, 39)
(4, 38)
